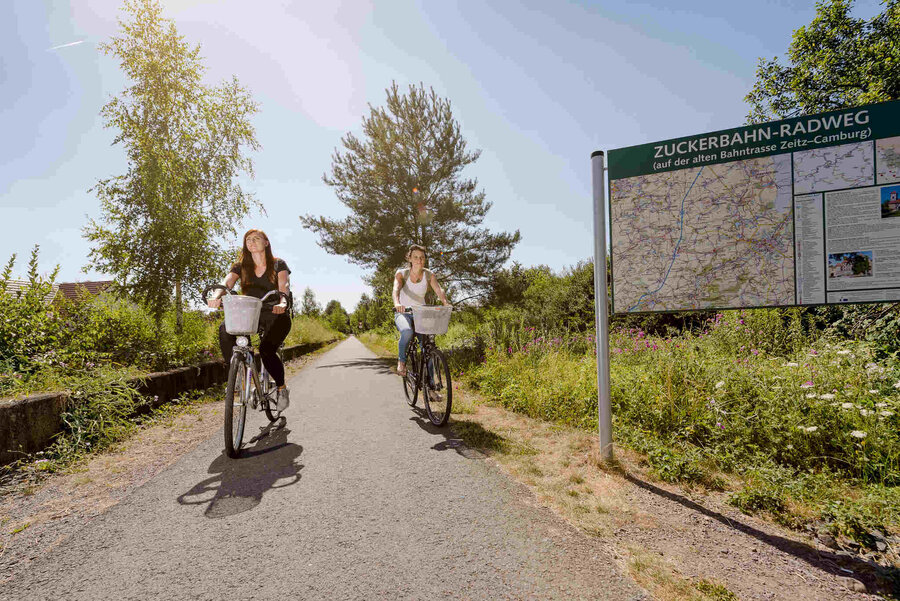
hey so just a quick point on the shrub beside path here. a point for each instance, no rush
(355, 497)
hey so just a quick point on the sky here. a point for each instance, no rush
(537, 86)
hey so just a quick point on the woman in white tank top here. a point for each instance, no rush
(410, 286)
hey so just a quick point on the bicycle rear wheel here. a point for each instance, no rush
(235, 406)
(269, 387)
(438, 389)
(410, 380)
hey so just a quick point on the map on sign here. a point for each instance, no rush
(833, 168)
(887, 156)
(802, 211)
(713, 236)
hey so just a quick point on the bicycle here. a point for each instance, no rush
(247, 386)
(436, 385)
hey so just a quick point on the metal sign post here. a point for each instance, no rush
(601, 311)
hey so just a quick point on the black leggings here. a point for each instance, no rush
(276, 328)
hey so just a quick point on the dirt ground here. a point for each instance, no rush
(676, 543)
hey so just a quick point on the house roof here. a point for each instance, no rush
(18, 287)
(74, 289)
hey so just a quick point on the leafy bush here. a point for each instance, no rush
(29, 332)
(97, 415)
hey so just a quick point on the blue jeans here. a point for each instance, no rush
(404, 323)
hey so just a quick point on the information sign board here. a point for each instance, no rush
(804, 211)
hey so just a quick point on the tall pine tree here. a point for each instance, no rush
(403, 184)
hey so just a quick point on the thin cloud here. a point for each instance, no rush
(65, 45)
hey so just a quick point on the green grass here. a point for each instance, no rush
(309, 329)
(715, 591)
(20, 528)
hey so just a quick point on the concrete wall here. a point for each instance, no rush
(28, 425)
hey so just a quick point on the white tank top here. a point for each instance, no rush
(412, 294)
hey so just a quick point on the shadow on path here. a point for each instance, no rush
(378, 364)
(451, 440)
(874, 576)
(239, 484)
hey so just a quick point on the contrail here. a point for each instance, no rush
(65, 45)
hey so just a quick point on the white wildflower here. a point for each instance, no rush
(873, 392)
(896, 384)
(843, 352)
(846, 405)
(874, 368)
(719, 384)
(827, 396)
(811, 395)
(806, 385)
(864, 412)
(858, 434)
(886, 413)
(791, 364)
(881, 405)
(812, 428)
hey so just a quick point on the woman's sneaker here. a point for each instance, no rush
(283, 398)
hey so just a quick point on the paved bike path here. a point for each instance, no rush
(357, 496)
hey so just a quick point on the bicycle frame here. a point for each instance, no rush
(427, 344)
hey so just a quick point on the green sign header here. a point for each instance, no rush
(776, 137)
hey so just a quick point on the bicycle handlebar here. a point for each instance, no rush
(264, 299)
(279, 294)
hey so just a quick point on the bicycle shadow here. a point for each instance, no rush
(239, 484)
(473, 442)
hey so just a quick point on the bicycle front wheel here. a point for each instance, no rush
(438, 389)
(410, 380)
(235, 406)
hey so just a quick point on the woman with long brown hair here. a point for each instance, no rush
(260, 272)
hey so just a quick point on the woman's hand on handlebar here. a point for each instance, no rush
(215, 301)
(276, 295)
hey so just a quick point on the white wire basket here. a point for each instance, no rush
(241, 314)
(431, 320)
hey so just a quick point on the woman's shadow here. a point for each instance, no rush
(238, 484)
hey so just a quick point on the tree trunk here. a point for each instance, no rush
(179, 319)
